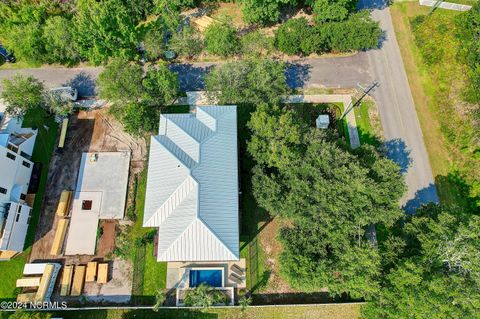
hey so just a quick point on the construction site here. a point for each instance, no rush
(85, 201)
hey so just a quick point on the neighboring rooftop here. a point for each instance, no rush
(192, 186)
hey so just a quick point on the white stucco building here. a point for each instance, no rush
(16, 147)
(192, 186)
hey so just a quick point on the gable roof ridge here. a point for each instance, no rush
(188, 162)
(173, 201)
(204, 223)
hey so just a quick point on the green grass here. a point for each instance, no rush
(366, 131)
(12, 270)
(149, 275)
(339, 311)
(437, 85)
(155, 275)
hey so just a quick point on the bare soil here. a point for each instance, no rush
(88, 131)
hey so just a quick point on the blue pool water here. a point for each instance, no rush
(212, 277)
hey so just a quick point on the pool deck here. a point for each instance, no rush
(178, 272)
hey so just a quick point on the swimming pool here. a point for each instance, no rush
(212, 277)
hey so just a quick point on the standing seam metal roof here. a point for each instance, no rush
(192, 186)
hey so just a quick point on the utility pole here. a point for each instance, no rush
(366, 91)
(435, 6)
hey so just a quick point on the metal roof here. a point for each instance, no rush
(192, 185)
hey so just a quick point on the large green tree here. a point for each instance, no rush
(263, 11)
(221, 39)
(160, 85)
(330, 198)
(251, 81)
(58, 36)
(438, 272)
(21, 94)
(332, 10)
(104, 29)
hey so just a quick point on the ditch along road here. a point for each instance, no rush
(401, 128)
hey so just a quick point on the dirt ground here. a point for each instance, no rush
(88, 131)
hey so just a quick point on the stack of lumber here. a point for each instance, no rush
(64, 203)
(203, 22)
(102, 277)
(28, 282)
(66, 283)
(78, 279)
(59, 237)
(91, 271)
(44, 283)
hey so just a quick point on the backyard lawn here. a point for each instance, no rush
(12, 270)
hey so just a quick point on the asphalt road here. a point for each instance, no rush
(403, 135)
(404, 140)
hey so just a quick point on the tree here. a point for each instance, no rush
(22, 93)
(358, 32)
(203, 296)
(332, 10)
(438, 275)
(27, 42)
(58, 36)
(160, 298)
(186, 43)
(249, 81)
(105, 29)
(153, 41)
(221, 39)
(160, 85)
(121, 81)
(290, 35)
(263, 11)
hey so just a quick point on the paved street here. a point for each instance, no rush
(402, 131)
(404, 139)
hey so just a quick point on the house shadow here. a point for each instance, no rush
(397, 151)
(297, 74)
(190, 77)
(84, 83)
(422, 197)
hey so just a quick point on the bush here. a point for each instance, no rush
(263, 12)
(332, 10)
(186, 43)
(221, 39)
(359, 32)
(291, 34)
(140, 118)
(153, 41)
(316, 41)
(58, 34)
(256, 43)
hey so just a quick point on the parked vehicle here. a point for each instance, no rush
(5, 55)
(66, 93)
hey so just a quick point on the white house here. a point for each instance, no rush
(16, 147)
(192, 186)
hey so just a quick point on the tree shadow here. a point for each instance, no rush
(397, 151)
(297, 74)
(454, 190)
(190, 77)
(424, 196)
(84, 83)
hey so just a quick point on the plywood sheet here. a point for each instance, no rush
(78, 279)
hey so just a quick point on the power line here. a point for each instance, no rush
(366, 92)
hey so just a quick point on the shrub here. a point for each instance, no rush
(332, 10)
(58, 34)
(221, 39)
(256, 43)
(153, 41)
(140, 118)
(290, 35)
(186, 43)
(263, 12)
(359, 32)
(316, 41)
(204, 296)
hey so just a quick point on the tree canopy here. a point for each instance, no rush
(248, 81)
(221, 39)
(329, 196)
(263, 11)
(437, 274)
(22, 93)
